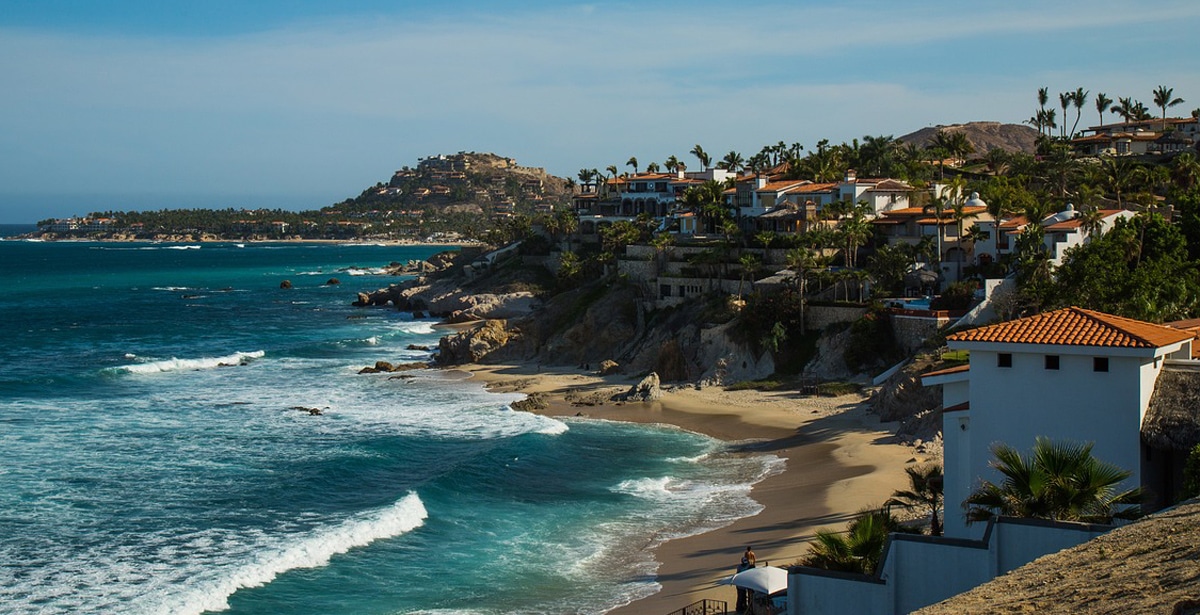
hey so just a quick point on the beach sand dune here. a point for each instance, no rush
(839, 460)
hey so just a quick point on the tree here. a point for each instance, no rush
(1162, 100)
(1078, 99)
(704, 158)
(1102, 104)
(925, 491)
(671, 164)
(732, 162)
(856, 550)
(749, 264)
(652, 167)
(1064, 101)
(976, 234)
(1058, 481)
(632, 162)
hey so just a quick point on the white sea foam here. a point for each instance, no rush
(183, 247)
(416, 327)
(311, 551)
(175, 365)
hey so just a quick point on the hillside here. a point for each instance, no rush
(984, 136)
(466, 182)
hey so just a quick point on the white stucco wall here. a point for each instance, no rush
(921, 570)
(1015, 405)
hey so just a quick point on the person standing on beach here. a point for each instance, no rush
(748, 560)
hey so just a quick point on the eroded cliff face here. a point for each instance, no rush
(589, 326)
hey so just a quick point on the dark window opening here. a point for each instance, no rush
(1051, 361)
(1004, 359)
(1100, 364)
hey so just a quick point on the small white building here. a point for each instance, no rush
(1069, 375)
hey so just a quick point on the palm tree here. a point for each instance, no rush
(1064, 101)
(632, 162)
(1102, 104)
(1078, 99)
(1162, 100)
(749, 264)
(652, 167)
(925, 490)
(700, 155)
(1059, 481)
(856, 550)
(672, 164)
(1043, 97)
(732, 162)
(1185, 171)
(855, 230)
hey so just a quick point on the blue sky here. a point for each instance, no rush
(299, 104)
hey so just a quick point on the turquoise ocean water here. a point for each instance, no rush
(154, 461)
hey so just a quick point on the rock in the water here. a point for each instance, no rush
(646, 390)
(332, 282)
(535, 401)
(285, 284)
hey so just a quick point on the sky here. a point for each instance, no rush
(299, 104)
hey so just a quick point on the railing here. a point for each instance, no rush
(704, 607)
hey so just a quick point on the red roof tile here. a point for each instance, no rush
(1076, 326)
(948, 370)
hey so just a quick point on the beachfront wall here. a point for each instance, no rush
(921, 570)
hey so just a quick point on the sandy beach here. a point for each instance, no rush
(839, 460)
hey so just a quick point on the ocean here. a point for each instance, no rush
(159, 456)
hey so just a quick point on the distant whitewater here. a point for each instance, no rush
(160, 456)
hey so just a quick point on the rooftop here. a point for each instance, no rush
(1076, 326)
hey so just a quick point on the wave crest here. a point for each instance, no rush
(312, 551)
(175, 365)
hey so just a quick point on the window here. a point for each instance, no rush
(1099, 364)
(1004, 359)
(1051, 361)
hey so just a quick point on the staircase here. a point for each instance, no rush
(704, 607)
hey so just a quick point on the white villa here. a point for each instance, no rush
(1071, 375)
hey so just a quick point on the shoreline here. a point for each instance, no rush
(838, 459)
(365, 242)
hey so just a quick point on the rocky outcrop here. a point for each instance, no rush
(447, 299)
(903, 398)
(645, 390)
(829, 362)
(608, 367)
(382, 367)
(473, 345)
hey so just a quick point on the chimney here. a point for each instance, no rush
(851, 175)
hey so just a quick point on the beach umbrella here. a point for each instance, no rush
(766, 579)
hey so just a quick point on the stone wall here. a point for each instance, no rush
(911, 330)
(818, 317)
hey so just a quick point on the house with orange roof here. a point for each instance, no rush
(1061, 231)
(1070, 375)
(1156, 135)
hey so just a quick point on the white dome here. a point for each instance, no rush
(975, 201)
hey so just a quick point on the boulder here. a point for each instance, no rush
(285, 284)
(608, 366)
(473, 345)
(332, 282)
(646, 390)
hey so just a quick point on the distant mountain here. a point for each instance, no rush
(984, 136)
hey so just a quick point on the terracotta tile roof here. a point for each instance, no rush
(816, 187)
(783, 185)
(948, 370)
(906, 211)
(1014, 222)
(1076, 326)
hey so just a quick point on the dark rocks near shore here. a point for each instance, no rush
(286, 284)
(384, 367)
(646, 390)
(535, 401)
(332, 282)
